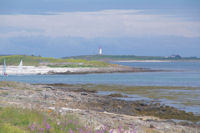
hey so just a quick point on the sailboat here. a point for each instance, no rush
(21, 64)
(4, 68)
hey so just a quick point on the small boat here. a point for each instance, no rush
(4, 69)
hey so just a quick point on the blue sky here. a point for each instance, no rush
(79, 27)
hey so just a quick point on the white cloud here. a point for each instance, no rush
(106, 23)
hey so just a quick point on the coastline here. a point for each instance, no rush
(154, 61)
(42, 70)
(96, 110)
(145, 61)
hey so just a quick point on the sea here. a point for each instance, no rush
(181, 74)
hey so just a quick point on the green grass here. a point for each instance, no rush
(7, 128)
(13, 84)
(15, 120)
(36, 60)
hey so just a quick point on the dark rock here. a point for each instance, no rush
(83, 93)
(3, 88)
(117, 95)
(49, 87)
(71, 96)
(151, 126)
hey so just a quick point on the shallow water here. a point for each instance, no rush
(188, 76)
(178, 103)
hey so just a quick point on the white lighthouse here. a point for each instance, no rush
(100, 51)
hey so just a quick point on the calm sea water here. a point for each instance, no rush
(187, 74)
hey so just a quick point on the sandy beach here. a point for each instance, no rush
(33, 70)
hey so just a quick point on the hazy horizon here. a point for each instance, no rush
(60, 28)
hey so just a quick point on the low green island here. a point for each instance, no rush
(51, 62)
(24, 64)
(133, 57)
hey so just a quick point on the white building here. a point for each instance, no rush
(100, 51)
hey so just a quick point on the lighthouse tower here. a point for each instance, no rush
(100, 51)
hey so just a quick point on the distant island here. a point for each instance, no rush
(48, 65)
(133, 57)
(50, 61)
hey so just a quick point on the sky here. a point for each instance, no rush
(59, 28)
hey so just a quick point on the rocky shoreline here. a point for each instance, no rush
(92, 101)
(97, 110)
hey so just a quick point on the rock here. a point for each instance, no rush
(83, 93)
(117, 95)
(151, 126)
(49, 87)
(3, 88)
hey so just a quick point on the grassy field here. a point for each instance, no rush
(36, 60)
(15, 120)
